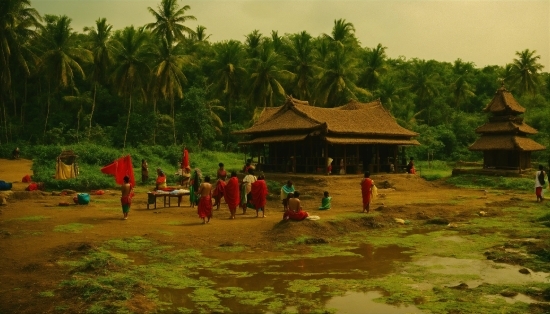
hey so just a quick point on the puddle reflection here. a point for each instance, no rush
(359, 303)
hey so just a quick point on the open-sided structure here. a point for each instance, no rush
(504, 140)
(65, 166)
(300, 138)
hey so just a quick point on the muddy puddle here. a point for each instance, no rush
(252, 287)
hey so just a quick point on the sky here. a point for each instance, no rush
(485, 32)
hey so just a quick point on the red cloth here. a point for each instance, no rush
(538, 191)
(366, 190)
(126, 200)
(219, 190)
(300, 215)
(120, 168)
(259, 194)
(185, 160)
(232, 193)
(161, 180)
(205, 207)
(26, 179)
(32, 187)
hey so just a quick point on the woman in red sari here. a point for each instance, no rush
(232, 194)
(259, 195)
(366, 191)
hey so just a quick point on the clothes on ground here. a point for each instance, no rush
(366, 190)
(259, 194)
(26, 179)
(232, 193)
(5, 186)
(326, 203)
(205, 207)
(120, 168)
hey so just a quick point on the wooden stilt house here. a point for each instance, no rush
(504, 140)
(353, 138)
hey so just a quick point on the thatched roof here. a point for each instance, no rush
(353, 118)
(505, 142)
(362, 141)
(504, 103)
(512, 127)
(276, 139)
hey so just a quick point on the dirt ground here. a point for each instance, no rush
(29, 249)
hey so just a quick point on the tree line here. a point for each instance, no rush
(164, 83)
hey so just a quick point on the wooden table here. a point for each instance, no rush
(153, 196)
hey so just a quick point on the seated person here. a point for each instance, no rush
(325, 202)
(295, 211)
(161, 179)
(16, 153)
(410, 167)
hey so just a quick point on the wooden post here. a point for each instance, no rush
(326, 157)
(294, 159)
(345, 159)
(377, 158)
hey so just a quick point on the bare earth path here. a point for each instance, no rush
(30, 246)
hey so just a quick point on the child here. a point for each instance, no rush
(325, 202)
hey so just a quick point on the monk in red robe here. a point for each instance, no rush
(205, 201)
(232, 194)
(220, 186)
(366, 191)
(259, 195)
(295, 211)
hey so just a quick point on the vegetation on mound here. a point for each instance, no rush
(478, 181)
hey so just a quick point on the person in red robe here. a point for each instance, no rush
(218, 193)
(259, 195)
(366, 191)
(205, 202)
(232, 194)
(295, 211)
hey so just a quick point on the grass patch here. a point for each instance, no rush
(72, 227)
(47, 294)
(477, 181)
(32, 218)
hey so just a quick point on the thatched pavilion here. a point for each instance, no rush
(300, 138)
(504, 140)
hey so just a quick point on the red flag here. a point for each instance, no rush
(120, 168)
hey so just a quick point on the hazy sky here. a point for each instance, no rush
(486, 32)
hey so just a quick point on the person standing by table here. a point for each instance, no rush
(161, 179)
(205, 202)
(144, 171)
(126, 197)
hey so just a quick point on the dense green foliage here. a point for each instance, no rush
(164, 83)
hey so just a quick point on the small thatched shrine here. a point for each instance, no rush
(504, 140)
(353, 138)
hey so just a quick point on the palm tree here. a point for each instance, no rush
(16, 22)
(267, 77)
(79, 101)
(168, 77)
(228, 72)
(131, 70)
(101, 47)
(375, 67)
(212, 106)
(424, 83)
(300, 56)
(462, 90)
(200, 34)
(170, 19)
(342, 33)
(337, 80)
(524, 71)
(253, 44)
(61, 59)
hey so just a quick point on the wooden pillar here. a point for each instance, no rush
(357, 159)
(377, 158)
(294, 159)
(259, 153)
(345, 159)
(326, 157)
(395, 162)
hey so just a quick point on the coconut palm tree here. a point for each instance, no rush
(131, 71)
(167, 76)
(267, 75)
(60, 60)
(524, 71)
(374, 67)
(337, 79)
(170, 18)
(200, 34)
(462, 90)
(101, 47)
(228, 72)
(424, 82)
(17, 27)
(253, 44)
(300, 54)
(342, 33)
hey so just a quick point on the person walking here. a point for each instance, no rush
(539, 183)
